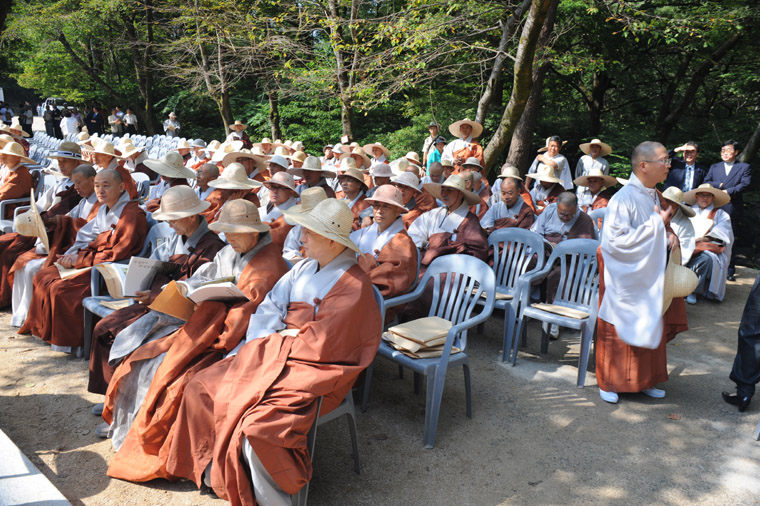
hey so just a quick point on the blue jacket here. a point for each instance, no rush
(734, 184)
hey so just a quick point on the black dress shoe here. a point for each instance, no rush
(731, 277)
(741, 402)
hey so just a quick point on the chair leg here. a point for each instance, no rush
(351, 418)
(88, 327)
(584, 354)
(544, 341)
(520, 333)
(509, 330)
(432, 408)
(417, 383)
(467, 389)
(367, 384)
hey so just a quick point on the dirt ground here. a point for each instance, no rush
(534, 437)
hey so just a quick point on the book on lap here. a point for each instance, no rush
(125, 280)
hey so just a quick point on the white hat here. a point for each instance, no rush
(544, 173)
(408, 179)
(225, 148)
(279, 160)
(382, 170)
(234, 177)
(473, 161)
(172, 115)
(413, 157)
(30, 223)
(179, 202)
(182, 144)
(477, 128)
(310, 197)
(456, 182)
(16, 149)
(605, 148)
(239, 217)
(331, 219)
(311, 164)
(198, 143)
(171, 165)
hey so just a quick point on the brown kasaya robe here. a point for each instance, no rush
(479, 210)
(394, 269)
(56, 311)
(268, 393)
(106, 329)
(360, 205)
(471, 240)
(524, 219)
(423, 202)
(550, 199)
(213, 330)
(17, 185)
(279, 229)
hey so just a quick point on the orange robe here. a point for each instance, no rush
(17, 185)
(279, 229)
(423, 202)
(474, 150)
(218, 198)
(394, 269)
(360, 205)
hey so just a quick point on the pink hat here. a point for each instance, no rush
(388, 194)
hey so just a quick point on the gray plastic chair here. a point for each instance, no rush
(596, 215)
(578, 289)
(458, 281)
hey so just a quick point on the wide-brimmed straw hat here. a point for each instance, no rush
(213, 145)
(172, 115)
(546, 147)
(180, 202)
(182, 144)
(368, 149)
(545, 173)
(234, 177)
(352, 173)
(16, 149)
(509, 170)
(586, 147)
(456, 182)
(311, 164)
(346, 164)
(447, 162)
(104, 147)
(15, 125)
(330, 218)
(472, 161)
(388, 194)
(310, 197)
(609, 181)
(282, 178)
(83, 138)
(298, 156)
(408, 179)
(128, 149)
(239, 216)
(30, 223)
(382, 170)
(171, 165)
(67, 149)
(414, 158)
(238, 123)
(226, 148)
(477, 128)
(675, 195)
(358, 153)
(721, 198)
(260, 160)
(680, 281)
(5, 139)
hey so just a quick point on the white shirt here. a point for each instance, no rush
(728, 166)
(370, 240)
(563, 169)
(436, 221)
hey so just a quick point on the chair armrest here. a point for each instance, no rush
(407, 297)
(7, 202)
(19, 210)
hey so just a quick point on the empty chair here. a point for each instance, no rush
(458, 282)
(598, 215)
(577, 300)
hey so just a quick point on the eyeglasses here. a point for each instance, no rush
(664, 161)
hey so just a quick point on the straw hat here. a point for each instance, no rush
(297, 146)
(105, 148)
(30, 223)
(382, 170)
(213, 145)
(408, 179)
(721, 198)
(675, 195)
(5, 139)
(239, 217)
(609, 181)
(310, 197)
(83, 138)
(474, 162)
(234, 177)
(287, 143)
(281, 151)
(388, 194)
(5, 128)
(67, 149)
(16, 149)
(368, 149)
(282, 178)
(456, 182)
(311, 164)
(279, 160)
(447, 162)
(414, 158)
(545, 148)
(477, 128)
(198, 143)
(128, 149)
(680, 281)
(182, 145)
(346, 164)
(298, 156)
(180, 202)
(171, 165)
(339, 149)
(16, 126)
(238, 124)
(353, 173)
(261, 162)
(509, 170)
(586, 147)
(330, 218)
(226, 148)
(545, 173)
(358, 152)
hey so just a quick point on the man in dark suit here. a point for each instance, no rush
(733, 177)
(685, 174)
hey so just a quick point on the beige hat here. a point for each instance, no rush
(408, 179)
(545, 173)
(330, 218)
(358, 153)
(5, 128)
(388, 194)
(239, 217)
(128, 149)
(104, 147)
(234, 177)
(213, 145)
(447, 162)
(546, 148)
(287, 143)
(182, 145)
(474, 162)
(413, 157)
(456, 182)
(310, 197)
(477, 128)
(67, 149)
(680, 281)
(609, 181)
(311, 164)
(282, 178)
(180, 202)
(16, 126)
(171, 165)
(16, 149)
(721, 198)
(509, 170)
(5, 139)
(346, 164)
(297, 146)
(83, 138)
(279, 150)
(675, 195)
(226, 148)
(239, 124)
(353, 173)
(172, 115)
(298, 156)
(623, 181)
(586, 147)
(368, 149)
(267, 140)
(30, 223)
(382, 170)
(260, 160)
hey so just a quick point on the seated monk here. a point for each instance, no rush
(511, 211)
(292, 250)
(277, 163)
(61, 231)
(134, 158)
(434, 174)
(146, 388)
(173, 173)
(381, 174)
(198, 154)
(388, 254)
(598, 190)
(16, 181)
(547, 188)
(282, 196)
(479, 185)
(354, 189)
(116, 233)
(233, 184)
(254, 164)
(415, 201)
(714, 240)
(313, 175)
(509, 171)
(19, 134)
(204, 174)
(104, 156)
(481, 208)
(190, 245)
(248, 416)
(345, 164)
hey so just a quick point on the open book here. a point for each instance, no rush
(125, 280)
(67, 273)
(171, 301)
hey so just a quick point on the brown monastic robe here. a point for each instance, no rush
(600, 201)
(360, 205)
(524, 219)
(218, 198)
(423, 202)
(550, 199)
(17, 185)
(279, 229)
(394, 269)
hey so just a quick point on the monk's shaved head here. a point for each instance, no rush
(112, 174)
(567, 199)
(85, 170)
(510, 182)
(644, 151)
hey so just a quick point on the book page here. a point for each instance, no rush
(142, 271)
(216, 291)
(66, 273)
(113, 274)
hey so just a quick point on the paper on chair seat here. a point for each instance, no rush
(497, 296)
(116, 304)
(561, 310)
(423, 330)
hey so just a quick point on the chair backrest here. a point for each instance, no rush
(156, 236)
(458, 282)
(380, 304)
(513, 251)
(579, 273)
(598, 216)
(139, 176)
(37, 181)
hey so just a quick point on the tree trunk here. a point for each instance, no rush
(345, 76)
(225, 111)
(602, 83)
(274, 114)
(753, 145)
